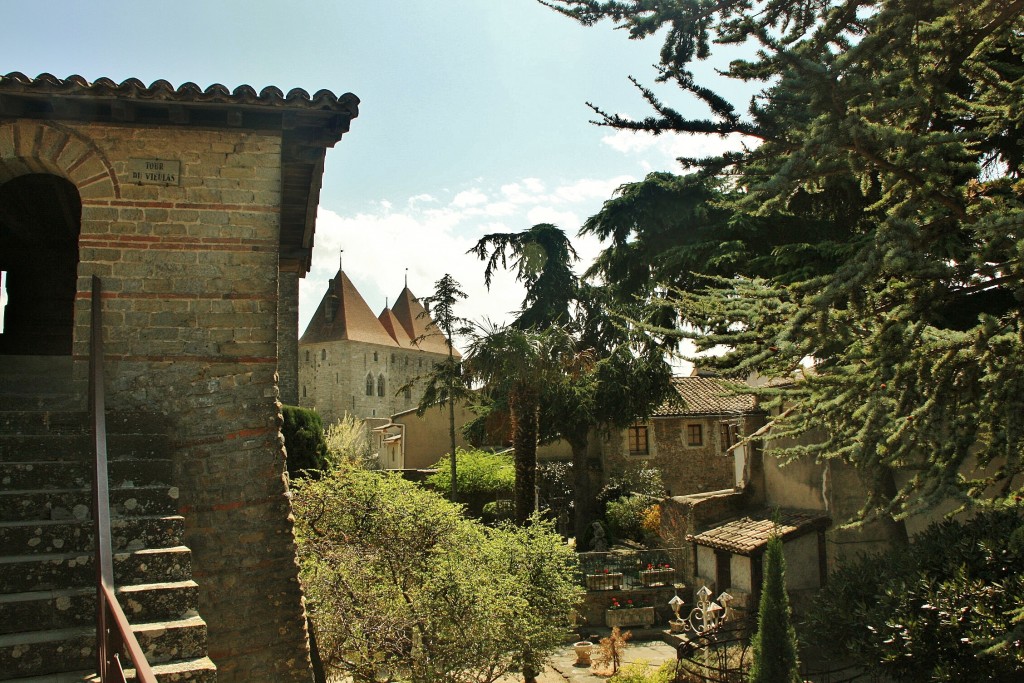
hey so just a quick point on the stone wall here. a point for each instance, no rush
(332, 378)
(190, 277)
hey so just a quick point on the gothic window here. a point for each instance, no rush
(369, 385)
(380, 385)
(323, 354)
(638, 440)
(695, 435)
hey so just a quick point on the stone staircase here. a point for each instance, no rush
(47, 571)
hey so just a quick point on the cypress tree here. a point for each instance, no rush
(774, 645)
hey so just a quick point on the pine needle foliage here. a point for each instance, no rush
(774, 645)
(873, 224)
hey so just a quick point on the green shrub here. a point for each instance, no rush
(625, 517)
(477, 472)
(498, 511)
(640, 672)
(348, 444)
(303, 432)
(946, 608)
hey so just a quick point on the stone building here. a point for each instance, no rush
(687, 437)
(352, 361)
(196, 209)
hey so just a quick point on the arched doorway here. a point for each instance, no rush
(40, 220)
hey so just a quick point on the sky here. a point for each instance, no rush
(473, 116)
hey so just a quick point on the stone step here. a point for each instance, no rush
(55, 571)
(199, 670)
(76, 607)
(79, 447)
(126, 533)
(77, 503)
(56, 651)
(34, 476)
(79, 422)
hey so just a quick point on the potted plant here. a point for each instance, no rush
(605, 580)
(657, 575)
(583, 649)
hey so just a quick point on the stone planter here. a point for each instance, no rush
(656, 577)
(583, 649)
(629, 616)
(604, 582)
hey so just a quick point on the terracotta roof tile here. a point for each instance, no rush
(747, 535)
(161, 90)
(417, 324)
(343, 314)
(703, 396)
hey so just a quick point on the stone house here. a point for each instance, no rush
(687, 437)
(352, 361)
(196, 209)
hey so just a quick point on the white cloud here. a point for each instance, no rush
(431, 238)
(471, 197)
(661, 151)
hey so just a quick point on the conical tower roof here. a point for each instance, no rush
(344, 315)
(394, 328)
(418, 325)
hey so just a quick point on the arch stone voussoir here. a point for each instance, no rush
(49, 147)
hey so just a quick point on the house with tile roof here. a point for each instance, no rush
(687, 437)
(352, 361)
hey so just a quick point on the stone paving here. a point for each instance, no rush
(562, 667)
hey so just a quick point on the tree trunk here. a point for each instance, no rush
(582, 496)
(525, 415)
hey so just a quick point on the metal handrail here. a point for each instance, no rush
(113, 633)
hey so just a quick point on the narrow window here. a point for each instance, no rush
(392, 358)
(725, 434)
(374, 356)
(323, 354)
(369, 385)
(638, 440)
(303, 391)
(307, 355)
(380, 385)
(408, 394)
(694, 435)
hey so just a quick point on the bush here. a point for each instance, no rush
(348, 444)
(303, 432)
(398, 582)
(498, 511)
(946, 608)
(477, 472)
(625, 517)
(640, 672)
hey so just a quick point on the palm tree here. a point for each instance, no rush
(516, 365)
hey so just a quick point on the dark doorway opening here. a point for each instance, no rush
(40, 220)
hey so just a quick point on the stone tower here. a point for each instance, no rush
(351, 361)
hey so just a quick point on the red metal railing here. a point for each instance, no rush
(113, 633)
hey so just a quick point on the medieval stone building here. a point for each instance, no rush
(196, 210)
(352, 361)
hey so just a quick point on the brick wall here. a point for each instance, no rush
(190, 274)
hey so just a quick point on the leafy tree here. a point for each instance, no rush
(872, 223)
(607, 375)
(401, 586)
(445, 383)
(774, 645)
(348, 444)
(303, 433)
(946, 608)
(542, 257)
